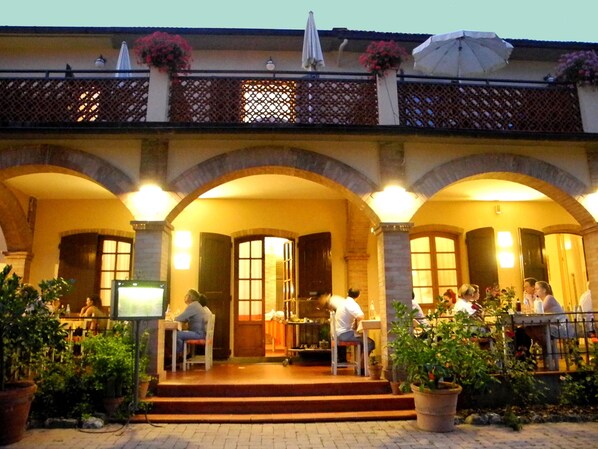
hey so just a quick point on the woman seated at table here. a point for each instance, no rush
(93, 309)
(561, 328)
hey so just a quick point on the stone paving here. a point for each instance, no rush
(345, 435)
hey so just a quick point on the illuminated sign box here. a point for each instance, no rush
(138, 300)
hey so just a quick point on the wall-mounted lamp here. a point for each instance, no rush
(506, 259)
(100, 62)
(270, 64)
(505, 239)
(182, 245)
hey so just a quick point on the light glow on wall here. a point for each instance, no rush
(394, 204)
(182, 254)
(150, 203)
(505, 239)
(506, 259)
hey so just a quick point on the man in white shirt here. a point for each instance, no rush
(348, 314)
(585, 303)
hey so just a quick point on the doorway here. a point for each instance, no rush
(264, 285)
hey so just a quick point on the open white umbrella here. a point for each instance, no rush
(123, 62)
(462, 53)
(312, 56)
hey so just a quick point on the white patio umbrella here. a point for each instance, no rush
(123, 62)
(312, 56)
(462, 53)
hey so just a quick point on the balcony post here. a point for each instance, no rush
(388, 98)
(157, 97)
(588, 106)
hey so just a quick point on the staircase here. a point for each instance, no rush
(337, 400)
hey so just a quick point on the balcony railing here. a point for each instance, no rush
(288, 98)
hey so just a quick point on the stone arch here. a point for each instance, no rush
(270, 232)
(557, 184)
(273, 160)
(25, 159)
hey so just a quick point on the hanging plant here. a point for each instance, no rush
(167, 52)
(381, 56)
(580, 67)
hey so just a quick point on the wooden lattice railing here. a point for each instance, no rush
(553, 109)
(73, 100)
(206, 99)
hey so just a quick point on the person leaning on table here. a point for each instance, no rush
(196, 315)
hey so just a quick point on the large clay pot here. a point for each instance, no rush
(436, 409)
(143, 389)
(111, 405)
(15, 404)
(375, 371)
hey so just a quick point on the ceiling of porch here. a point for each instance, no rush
(56, 186)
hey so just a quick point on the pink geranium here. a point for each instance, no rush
(381, 56)
(167, 52)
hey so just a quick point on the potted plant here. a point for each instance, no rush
(439, 362)
(374, 367)
(29, 332)
(579, 67)
(109, 360)
(381, 56)
(168, 53)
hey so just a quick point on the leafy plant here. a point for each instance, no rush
(581, 387)
(381, 56)
(448, 350)
(29, 332)
(169, 53)
(578, 67)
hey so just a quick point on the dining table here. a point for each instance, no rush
(365, 326)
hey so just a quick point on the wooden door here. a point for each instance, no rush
(249, 297)
(533, 254)
(481, 256)
(214, 282)
(78, 261)
(314, 264)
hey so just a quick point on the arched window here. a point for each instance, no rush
(435, 265)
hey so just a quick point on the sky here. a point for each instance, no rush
(522, 19)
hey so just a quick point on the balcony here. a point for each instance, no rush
(287, 99)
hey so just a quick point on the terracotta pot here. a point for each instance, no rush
(15, 404)
(375, 371)
(436, 409)
(111, 404)
(395, 387)
(143, 389)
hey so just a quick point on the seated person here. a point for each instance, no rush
(196, 315)
(93, 308)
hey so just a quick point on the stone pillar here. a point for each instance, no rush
(152, 262)
(394, 274)
(157, 96)
(20, 261)
(388, 98)
(392, 164)
(590, 244)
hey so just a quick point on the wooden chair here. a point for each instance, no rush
(208, 343)
(335, 344)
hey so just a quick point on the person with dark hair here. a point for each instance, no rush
(196, 315)
(354, 293)
(529, 294)
(93, 309)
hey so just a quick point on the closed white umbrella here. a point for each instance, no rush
(312, 56)
(123, 62)
(462, 53)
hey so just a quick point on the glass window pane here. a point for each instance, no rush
(244, 250)
(123, 262)
(256, 311)
(422, 278)
(244, 268)
(447, 277)
(243, 290)
(446, 260)
(420, 245)
(105, 296)
(444, 244)
(424, 295)
(256, 249)
(256, 289)
(124, 247)
(122, 275)
(421, 261)
(106, 279)
(256, 269)
(109, 246)
(244, 313)
(108, 261)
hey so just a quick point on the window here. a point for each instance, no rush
(268, 101)
(251, 281)
(115, 257)
(435, 265)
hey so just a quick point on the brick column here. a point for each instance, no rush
(394, 274)
(590, 243)
(152, 257)
(357, 277)
(358, 232)
(20, 261)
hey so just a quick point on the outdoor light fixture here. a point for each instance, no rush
(100, 62)
(270, 64)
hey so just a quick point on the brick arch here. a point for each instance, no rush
(289, 161)
(25, 159)
(270, 232)
(557, 184)
(21, 160)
